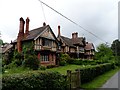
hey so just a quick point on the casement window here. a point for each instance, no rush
(44, 58)
(46, 42)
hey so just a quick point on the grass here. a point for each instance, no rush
(60, 69)
(63, 69)
(16, 70)
(100, 80)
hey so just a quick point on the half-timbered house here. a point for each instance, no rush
(44, 41)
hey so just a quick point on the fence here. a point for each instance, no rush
(73, 79)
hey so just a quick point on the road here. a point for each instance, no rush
(113, 83)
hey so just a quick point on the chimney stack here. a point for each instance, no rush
(20, 35)
(59, 30)
(74, 35)
(21, 28)
(27, 27)
(44, 24)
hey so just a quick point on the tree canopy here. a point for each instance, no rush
(116, 47)
(104, 52)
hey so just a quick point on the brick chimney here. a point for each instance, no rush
(27, 27)
(20, 35)
(44, 24)
(59, 30)
(74, 35)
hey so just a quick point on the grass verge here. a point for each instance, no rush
(100, 80)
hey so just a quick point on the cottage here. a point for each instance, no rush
(76, 47)
(89, 51)
(73, 46)
(44, 41)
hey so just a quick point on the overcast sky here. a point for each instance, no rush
(98, 16)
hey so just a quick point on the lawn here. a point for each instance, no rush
(63, 69)
(60, 69)
(16, 70)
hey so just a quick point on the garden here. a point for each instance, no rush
(28, 74)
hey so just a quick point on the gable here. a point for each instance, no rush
(48, 34)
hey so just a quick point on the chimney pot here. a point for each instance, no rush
(21, 19)
(27, 20)
(59, 30)
(27, 27)
(44, 24)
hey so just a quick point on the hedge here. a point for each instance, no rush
(88, 74)
(34, 80)
(84, 62)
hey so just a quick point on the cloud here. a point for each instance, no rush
(97, 16)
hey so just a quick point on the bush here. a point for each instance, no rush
(3, 70)
(34, 80)
(81, 62)
(18, 58)
(63, 59)
(63, 63)
(42, 68)
(31, 62)
(11, 65)
(51, 66)
(88, 74)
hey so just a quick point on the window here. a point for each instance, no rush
(44, 58)
(46, 42)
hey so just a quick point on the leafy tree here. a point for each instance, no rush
(104, 53)
(1, 41)
(30, 58)
(116, 47)
(116, 50)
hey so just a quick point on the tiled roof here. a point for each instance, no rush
(71, 42)
(89, 46)
(6, 47)
(34, 33)
(68, 41)
(79, 41)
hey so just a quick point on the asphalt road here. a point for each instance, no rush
(113, 83)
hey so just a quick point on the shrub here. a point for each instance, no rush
(18, 58)
(51, 66)
(42, 68)
(81, 62)
(32, 62)
(11, 65)
(3, 70)
(34, 80)
(63, 59)
(71, 61)
(88, 74)
(63, 63)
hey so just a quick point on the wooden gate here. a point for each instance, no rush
(73, 79)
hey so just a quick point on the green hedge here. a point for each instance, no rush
(84, 62)
(34, 80)
(89, 74)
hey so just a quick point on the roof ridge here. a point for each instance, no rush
(38, 28)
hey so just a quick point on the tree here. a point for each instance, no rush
(30, 58)
(116, 50)
(1, 41)
(116, 47)
(104, 52)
